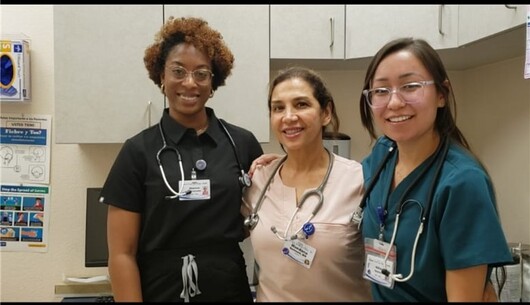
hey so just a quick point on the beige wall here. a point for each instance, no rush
(494, 112)
(495, 117)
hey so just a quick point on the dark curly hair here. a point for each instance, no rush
(197, 32)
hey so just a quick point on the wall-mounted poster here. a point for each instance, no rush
(24, 217)
(25, 148)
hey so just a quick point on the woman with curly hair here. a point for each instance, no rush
(174, 191)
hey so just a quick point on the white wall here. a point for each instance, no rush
(494, 104)
(32, 276)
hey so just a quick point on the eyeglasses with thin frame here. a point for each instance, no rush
(410, 93)
(200, 76)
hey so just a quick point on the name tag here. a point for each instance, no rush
(200, 190)
(298, 251)
(375, 252)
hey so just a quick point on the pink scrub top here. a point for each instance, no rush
(335, 274)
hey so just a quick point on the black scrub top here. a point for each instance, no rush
(171, 228)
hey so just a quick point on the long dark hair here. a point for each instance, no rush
(320, 91)
(445, 123)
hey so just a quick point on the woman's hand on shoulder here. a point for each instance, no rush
(264, 159)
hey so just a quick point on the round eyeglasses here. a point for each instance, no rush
(200, 76)
(410, 93)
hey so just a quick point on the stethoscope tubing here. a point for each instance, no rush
(358, 213)
(164, 148)
(244, 179)
(439, 157)
(253, 219)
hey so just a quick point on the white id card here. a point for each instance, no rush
(200, 189)
(375, 252)
(298, 251)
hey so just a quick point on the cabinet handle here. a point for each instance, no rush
(512, 7)
(332, 26)
(440, 20)
(148, 113)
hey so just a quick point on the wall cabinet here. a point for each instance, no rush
(307, 31)
(480, 21)
(103, 93)
(358, 31)
(369, 27)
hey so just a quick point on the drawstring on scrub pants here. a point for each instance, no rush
(190, 278)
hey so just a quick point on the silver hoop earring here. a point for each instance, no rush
(211, 94)
(162, 87)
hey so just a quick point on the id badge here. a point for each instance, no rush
(375, 252)
(200, 189)
(300, 252)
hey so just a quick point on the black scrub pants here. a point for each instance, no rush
(222, 275)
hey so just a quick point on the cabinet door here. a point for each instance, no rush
(102, 91)
(480, 21)
(245, 29)
(307, 31)
(369, 27)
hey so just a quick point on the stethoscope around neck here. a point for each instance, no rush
(244, 179)
(438, 157)
(252, 220)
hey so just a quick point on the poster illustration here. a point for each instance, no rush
(24, 217)
(25, 148)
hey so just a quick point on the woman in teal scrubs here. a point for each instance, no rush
(431, 228)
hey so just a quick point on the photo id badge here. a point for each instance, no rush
(200, 190)
(375, 252)
(298, 251)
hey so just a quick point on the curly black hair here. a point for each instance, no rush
(197, 32)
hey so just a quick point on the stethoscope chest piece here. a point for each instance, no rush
(357, 217)
(244, 179)
(307, 228)
(251, 221)
(200, 164)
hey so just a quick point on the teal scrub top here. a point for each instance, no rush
(462, 229)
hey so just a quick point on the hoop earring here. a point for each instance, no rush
(162, 89)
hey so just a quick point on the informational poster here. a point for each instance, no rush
(24, 212)
(25, 148)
